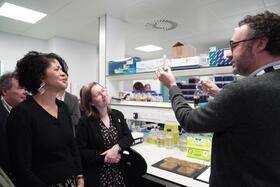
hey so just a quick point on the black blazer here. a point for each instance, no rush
(91, 144)
(4, 158)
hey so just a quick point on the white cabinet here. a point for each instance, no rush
(153, 111)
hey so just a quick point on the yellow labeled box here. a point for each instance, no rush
(199, 154)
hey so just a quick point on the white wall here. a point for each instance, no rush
(13, 47)
(82, 58)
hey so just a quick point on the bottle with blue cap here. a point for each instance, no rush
(169, 139)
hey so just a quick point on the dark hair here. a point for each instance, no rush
(6, 81)
(31, 70)
(82, 102)
(147, 86)
(87, 99)
(60, 60)
(267, 25)
(138, 86)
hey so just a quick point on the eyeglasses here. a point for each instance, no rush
(103, 91)
(233, 44)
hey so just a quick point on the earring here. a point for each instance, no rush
(41, 89)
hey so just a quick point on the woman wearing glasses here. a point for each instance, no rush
(102, 134)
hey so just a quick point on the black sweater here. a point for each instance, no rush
(42, 148)
(245, 119)
(91, 143)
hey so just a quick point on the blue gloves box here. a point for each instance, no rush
(123, 66)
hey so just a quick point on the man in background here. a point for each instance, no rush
(138, 86)
(11, 95)
(73, 105)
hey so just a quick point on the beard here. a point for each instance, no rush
(242, 64)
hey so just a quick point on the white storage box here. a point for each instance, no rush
(148, 65)
(189, 62)
(176, 63)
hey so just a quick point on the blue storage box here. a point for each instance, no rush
(123, 66)
(221, 57)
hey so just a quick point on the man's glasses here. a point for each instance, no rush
(233, 44)
(101, 92)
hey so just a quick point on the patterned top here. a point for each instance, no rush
(110, 175)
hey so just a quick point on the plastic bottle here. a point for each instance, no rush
(149, 96)
(160, 98)
(154, 97)
(152, 138)
(183, 141)
(198, 95)
(169, 140)
(160, 138)
(146, 134)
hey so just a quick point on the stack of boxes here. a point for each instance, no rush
(222, 60)
(217, 57)
(221, 80)
(188, 88)
(212, 56)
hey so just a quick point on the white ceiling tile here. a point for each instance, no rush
(13, 26)
(275, 8)
(270, 2)
(45, 6)
(225, 8)
(232, 21)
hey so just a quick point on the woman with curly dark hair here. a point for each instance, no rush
(42, 146)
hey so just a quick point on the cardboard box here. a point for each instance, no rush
(180, 50)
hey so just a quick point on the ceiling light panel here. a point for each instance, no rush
(148, 48)
(20, 13)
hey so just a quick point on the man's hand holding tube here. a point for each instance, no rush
(210, 87)
(165, 75)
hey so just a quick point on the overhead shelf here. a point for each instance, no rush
(203, 71)
(146, 104)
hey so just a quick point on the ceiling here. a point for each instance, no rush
(201, 23)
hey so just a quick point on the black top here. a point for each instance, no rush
(42, 148)
(245, 120)
(91, 144)
(4, 157)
